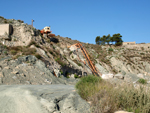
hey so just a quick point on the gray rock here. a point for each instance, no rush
(57, 72)
(29, 70)
(74, 104)
(119, 76)
(123, 72)
(101, 69)
(50, 98)
(130, 77)
(140, 75)
(29, 58)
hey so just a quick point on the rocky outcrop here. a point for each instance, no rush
(28, 70)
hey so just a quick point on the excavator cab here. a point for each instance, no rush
(46, 29)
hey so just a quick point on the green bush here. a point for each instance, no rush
(61, 62)
(86, 86)
(5, 52)
(142, 81)
(76, 76)
(110, 49)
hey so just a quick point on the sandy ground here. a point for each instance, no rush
(26, 98)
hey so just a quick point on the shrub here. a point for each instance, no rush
(37, 45)
(62, 63)
(20, 21)
(76, 76)
(5, 52)
(79, 64)
(5, 21)
(32, 43)
(5, 46)
(38, 56)
(70, 52)
(142, 81)
(16, 48)
(86, 86)
(2, 17)
(28, 51)
(61, 72)
(16, 56)
(110, 49)
(142, 53)
(13, 52)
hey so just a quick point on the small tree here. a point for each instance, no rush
(108, 38)
(97, 40)
(117, 39)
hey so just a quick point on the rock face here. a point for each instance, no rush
(122, 59)
(28, 70)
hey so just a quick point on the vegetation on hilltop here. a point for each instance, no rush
(107, 39)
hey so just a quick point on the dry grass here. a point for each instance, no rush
(28, 51)
(106, 98)
(22, 50)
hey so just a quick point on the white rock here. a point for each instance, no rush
(72, 76)
(72, 48)
(107, 76)
(119, 76)
(57, 72)
(140, 75)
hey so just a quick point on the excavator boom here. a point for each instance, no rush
(85, 54)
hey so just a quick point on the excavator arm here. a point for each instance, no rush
(85, 54)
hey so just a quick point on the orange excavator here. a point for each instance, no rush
(46, 32)
(85, 54)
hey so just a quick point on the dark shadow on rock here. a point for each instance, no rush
(55, 40)
(68, 70)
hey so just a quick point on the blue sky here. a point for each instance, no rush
(83, 20)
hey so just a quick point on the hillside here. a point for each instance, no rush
(34, 62)
(128, 60)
